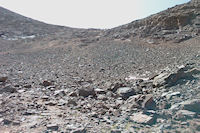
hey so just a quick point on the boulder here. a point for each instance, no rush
(141, 101)
(191, 105)
(160, 79)
(184, 115)
(142, 118)
(171, 79)
(85, 92)
(125, 92)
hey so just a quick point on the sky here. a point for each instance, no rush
(101, 14)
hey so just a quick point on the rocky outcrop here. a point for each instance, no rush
(179, 23)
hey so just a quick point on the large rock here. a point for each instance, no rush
(160, 79)
(185, 114)
(8, 89)
(141, 101)
(171, 79)
(85, 92)
(191, 105)
(142, 118)
(125, 92)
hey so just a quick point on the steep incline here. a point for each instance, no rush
(178, 24)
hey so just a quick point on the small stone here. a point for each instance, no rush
(79, 130)
(86, 92)
(142, 118)
(51, 103)
(73, 94)
(45, 98)
(7, 122)
(99, 91)
(72, 102)
(3, 78)
(53, 127)
(116, 131)
(30, 112)
(27, 86)
(94, 114)
(125, 92)
(21, 91)
(61, 102)
(16, 123)
(60, 93)
(46, 83)
(169, 96)
(102, 97)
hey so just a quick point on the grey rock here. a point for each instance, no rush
(141, 101)
(53, 127)
(125, 92)
(8, 89)
(46, 83)
(79, 130)
(51, 103)
(102, 97)
(170, 79)
(7, 122)
(169, 95)
(60, 93)
(116, 131)
(100, 91)
(72, 102)
(86, 92)
(30, 112)
(160, 79)
(185, 114)
(191, 105)
(27, 86)
(142, 118)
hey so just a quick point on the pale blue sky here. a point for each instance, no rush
(88, 13)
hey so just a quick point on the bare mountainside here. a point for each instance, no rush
(139, 77)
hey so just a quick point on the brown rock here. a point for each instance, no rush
(73, 94)
(46, 83)
(3, 78)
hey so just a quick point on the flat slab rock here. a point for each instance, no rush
(190, 105)
(142, 118)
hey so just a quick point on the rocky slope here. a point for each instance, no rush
(174, 24)
(88, 80)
